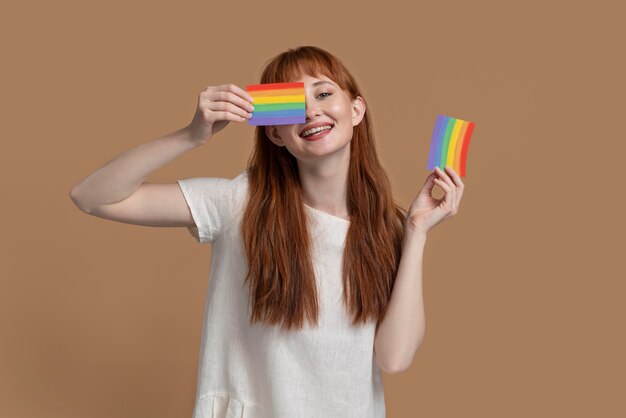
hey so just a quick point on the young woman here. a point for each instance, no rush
(316, 281)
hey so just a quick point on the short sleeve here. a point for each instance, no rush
(208, 199)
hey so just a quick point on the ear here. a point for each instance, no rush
(358, 110)
(272, 134)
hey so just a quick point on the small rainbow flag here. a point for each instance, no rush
(449, 144)
(277, 103)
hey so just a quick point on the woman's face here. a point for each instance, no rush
(326, 104)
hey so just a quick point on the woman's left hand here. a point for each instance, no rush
(425, 211)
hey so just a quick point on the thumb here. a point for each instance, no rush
(429, 183)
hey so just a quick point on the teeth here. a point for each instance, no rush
(315, 130)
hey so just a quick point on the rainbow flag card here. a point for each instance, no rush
(450, 143)
(277, 103)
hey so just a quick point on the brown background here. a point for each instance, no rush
(523, 288)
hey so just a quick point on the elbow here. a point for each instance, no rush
(397, 366)
(393, 370)
(393, 367)
(77, 202)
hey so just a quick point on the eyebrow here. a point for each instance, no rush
(317, 83)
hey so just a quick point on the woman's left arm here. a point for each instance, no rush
(402, 330)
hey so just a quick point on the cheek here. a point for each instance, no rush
(340, 111)
(286, 131)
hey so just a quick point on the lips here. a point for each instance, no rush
(315, 125)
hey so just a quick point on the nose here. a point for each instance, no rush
(312, 109)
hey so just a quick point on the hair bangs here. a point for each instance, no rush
(293, 64)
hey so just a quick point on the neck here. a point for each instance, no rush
(325, 183)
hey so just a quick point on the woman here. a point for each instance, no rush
(316, 272)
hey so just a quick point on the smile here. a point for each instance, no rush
(317, 133)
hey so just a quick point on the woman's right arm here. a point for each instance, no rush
(117, 190)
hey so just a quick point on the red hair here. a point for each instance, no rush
(274, 228)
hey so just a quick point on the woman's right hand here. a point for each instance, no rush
(218, 105)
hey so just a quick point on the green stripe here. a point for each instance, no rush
(446, 143)
(277, 106)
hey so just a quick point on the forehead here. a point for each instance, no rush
(315, 81)
(310, 78)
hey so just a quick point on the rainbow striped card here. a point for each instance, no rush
(277, 103)
(450, 143)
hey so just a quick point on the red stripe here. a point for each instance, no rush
(466, 141)
(274, 86)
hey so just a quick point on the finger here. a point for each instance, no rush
(444, 177)
(444, 186)
(451, 193)
(430, 178)
(454, 190)
(229, 116)
(448, 196)
(239, 92)
(459, 186)
(230, 97)
(428, 184)
(228, 107)
(455, 177)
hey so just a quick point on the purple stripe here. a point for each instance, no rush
(433, 143)
(276, 121)
(446, 125)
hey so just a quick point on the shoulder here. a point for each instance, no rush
(240, 182)
(215, 203)
(216, 186)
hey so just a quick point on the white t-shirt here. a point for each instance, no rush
(262, 371)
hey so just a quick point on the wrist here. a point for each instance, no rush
(189, 134)
(412, 233)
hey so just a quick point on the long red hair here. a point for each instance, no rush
(281, 277)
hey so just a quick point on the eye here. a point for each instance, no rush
(324, 93)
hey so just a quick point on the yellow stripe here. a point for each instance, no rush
(459, 145)
(454, 139)
(279, 99)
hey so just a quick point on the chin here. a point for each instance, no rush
(325, 152)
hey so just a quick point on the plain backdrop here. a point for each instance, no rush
(523, 288)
